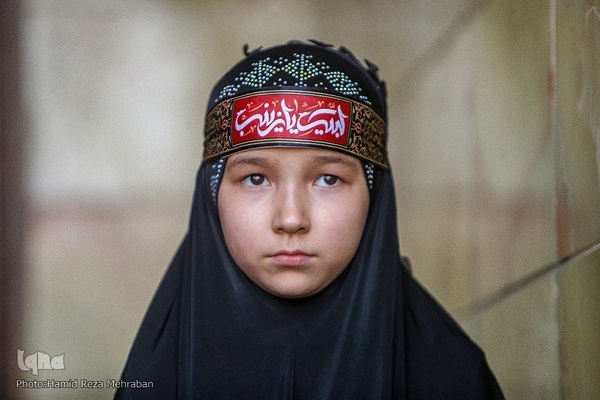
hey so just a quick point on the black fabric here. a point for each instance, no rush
(374, 333)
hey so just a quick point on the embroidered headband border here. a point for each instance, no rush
(295, 118)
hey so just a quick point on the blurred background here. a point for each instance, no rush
(494, 142)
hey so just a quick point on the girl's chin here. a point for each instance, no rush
(293, 287)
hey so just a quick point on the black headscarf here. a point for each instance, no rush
(374, 333)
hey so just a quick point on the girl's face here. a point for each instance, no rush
(293, 218)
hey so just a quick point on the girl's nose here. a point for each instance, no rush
(291, 210)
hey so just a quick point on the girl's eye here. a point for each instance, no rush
(255, 180)
(328, 180)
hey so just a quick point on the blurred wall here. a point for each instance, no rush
(494, 135)
(12, 210)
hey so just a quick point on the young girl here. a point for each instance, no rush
(289, 283)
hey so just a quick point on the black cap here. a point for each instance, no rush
(336, 103)
(315, 66)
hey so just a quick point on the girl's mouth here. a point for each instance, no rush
(293, 258)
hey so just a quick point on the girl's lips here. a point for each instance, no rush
(291, 258)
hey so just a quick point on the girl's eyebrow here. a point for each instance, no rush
(333, 159)
(240, 161)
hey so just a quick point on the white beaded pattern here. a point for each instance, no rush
(296, 72)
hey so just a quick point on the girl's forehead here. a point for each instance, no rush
(288, 155)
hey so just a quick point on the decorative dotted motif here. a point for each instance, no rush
(369, 174)
(215, 178)
(300, 71)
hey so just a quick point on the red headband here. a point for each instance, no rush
(295, 118)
